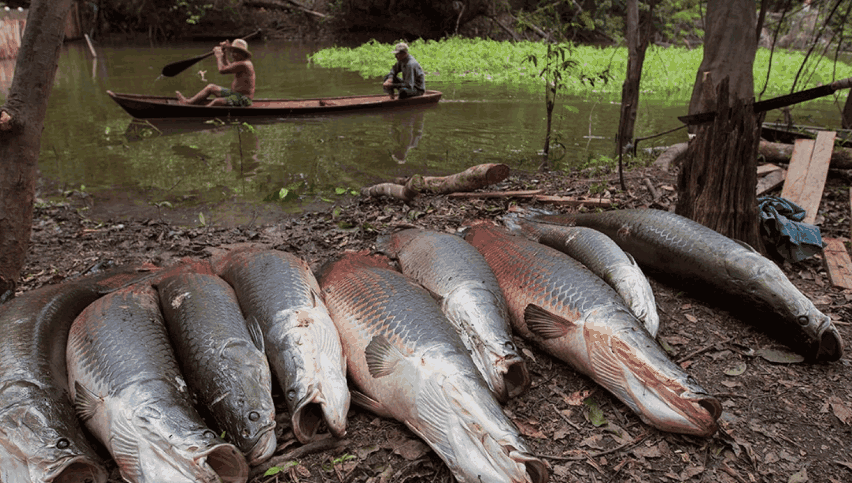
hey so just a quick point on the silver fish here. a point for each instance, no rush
(410, 364)
(278, 291)
(41, 440)
(691, 253)
(129, 392)
(469, 296)
(574, 315)
(600, 254)
(222, 359)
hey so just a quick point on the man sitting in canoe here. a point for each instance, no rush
(242, 89)
(413, 81)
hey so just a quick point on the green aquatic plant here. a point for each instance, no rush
(668, 72)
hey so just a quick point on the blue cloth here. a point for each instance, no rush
(782, 226)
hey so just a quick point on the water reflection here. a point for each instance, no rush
(406, 131)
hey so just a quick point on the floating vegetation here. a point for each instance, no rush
(668, 72)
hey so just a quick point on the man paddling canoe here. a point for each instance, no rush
(241, 92)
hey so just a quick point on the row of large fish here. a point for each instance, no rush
(132, 354)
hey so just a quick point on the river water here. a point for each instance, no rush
(89, 143)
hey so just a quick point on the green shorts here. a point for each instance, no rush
(235, 99)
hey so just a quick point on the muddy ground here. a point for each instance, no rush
(782, 422)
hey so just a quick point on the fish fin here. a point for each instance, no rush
(609, 373)
(746, 246)
(382, 357)
(545, 324)
(256, 334)
(86, 402)
(632, 260)
(370, 404)
(434, 414)
(125, 450)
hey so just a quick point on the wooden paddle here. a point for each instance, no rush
(176, 68)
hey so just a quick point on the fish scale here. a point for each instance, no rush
(277, 291)
(694, 255)
(470, 297)
(409, 363)
(219, 359)
(128, 389)
(601, 255)
(575, 316)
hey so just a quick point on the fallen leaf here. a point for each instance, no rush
(779, 356)
(595, 414)
(593, 441)
(691, 318)
(577, 398)
(800, 477)
(648, 452)
(690, 472)
(560, 433)
(737, 370)
(529, 430)
(840, 410)
(411, 449)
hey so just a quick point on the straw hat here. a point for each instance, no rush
(400, 47)
(241, 46)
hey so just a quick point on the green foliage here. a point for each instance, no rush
(668, 72)
(676, 19)
(193, 10)
(274, 470)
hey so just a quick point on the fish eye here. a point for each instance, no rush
(63, 443)
(254, 416)
(804, 320)
(208, 434)
(509, 346)
(291, 394)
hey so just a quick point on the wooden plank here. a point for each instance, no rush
(798, 170)
(837, 263)
(817, 174)
(495, 194)
(769, 177)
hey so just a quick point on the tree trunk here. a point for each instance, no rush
(21, 123)
(718, 179)
(847, 112)
(638, 36)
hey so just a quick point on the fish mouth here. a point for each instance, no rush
(263, 449)
(76, 470)
(311, 411)
(830, 345)
(536, 469)
(227, 462)
(511, 377)
(690, 413)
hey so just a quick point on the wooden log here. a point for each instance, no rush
(471, 179)
(841, 158)
(671, 156)
(392, 190)
(837, 263)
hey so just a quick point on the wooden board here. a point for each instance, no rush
(837, 263)
(808, 171)
(769, 177)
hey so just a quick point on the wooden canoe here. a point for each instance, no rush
(159, 107)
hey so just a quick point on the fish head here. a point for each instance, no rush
(764, 282)
(629, 363)
(483, 444)
(248, 415)
(316, 402)
(44, 444)
(482, 320)
(164, 439)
